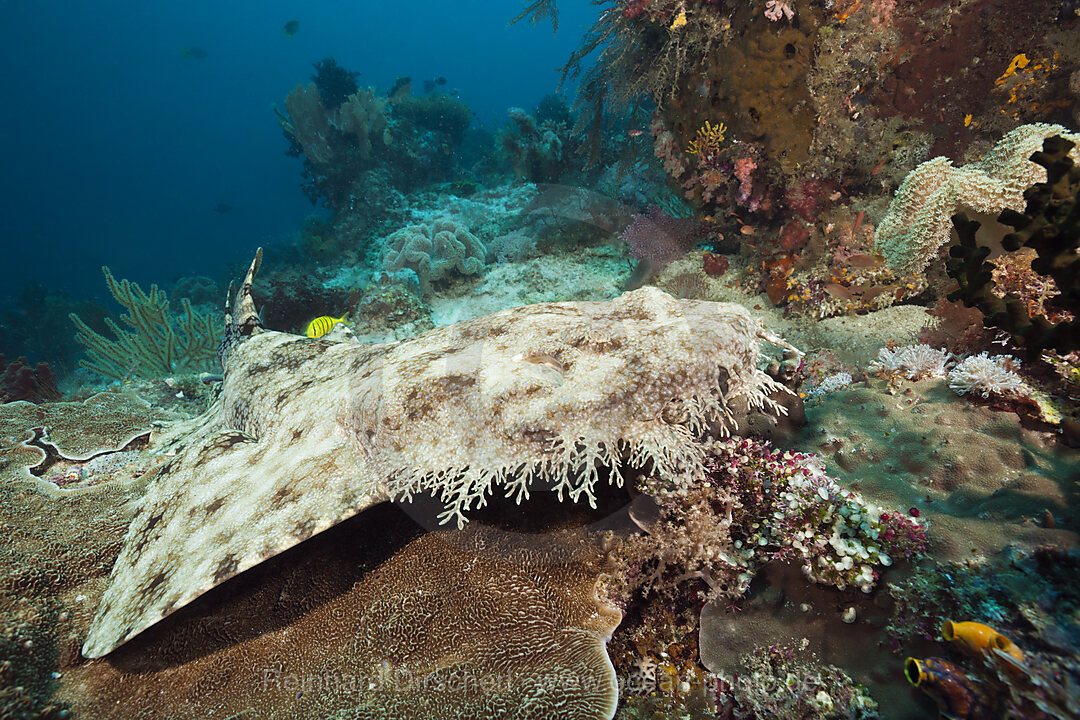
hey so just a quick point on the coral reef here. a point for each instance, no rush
(19, 381)
(434, 251)
(786, 682)
(513, 613)
(392, 309)
(475, 624)
(918, 224)
(534, 150)
(292, 296)
(758, 505)
(1048, 227)
(354, 141)
(45, 566)
(1029, 673)
(662, 508)
(573, 385)
(156, 343)
(917, 445)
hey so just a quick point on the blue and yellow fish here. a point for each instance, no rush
(322, 325)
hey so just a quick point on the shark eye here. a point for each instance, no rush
(674, 412)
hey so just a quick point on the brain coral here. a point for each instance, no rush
(308, 432)
(918, 224)
(434, 251)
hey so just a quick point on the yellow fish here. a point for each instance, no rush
(322, 325)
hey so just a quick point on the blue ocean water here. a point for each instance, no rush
(120, 148)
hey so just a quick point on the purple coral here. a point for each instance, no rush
(658, 238)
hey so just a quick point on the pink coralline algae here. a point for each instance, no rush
(776, 9)
(744, 169)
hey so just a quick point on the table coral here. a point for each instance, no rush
(308, 432)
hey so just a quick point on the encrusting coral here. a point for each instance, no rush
(1036, 309)
(918, 224)
(308, 432)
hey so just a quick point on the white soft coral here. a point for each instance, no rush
(988, 375)
(915, 362)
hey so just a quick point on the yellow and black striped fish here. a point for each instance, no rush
(322, 325)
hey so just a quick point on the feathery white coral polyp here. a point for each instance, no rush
(988, 375)
(915, 362)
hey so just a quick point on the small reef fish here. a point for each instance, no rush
(430, 85)
(195, 53)
(634, 132)
(291, 28)
(863, 260)
(222, 208)
(322, 325)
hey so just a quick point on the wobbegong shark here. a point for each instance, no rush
(307, 432)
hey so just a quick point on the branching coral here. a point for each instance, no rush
(708, 140)
(307, 432)
(158, 343)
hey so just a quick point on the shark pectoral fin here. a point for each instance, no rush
(220, 507)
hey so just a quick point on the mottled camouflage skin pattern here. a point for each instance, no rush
(308, 432)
